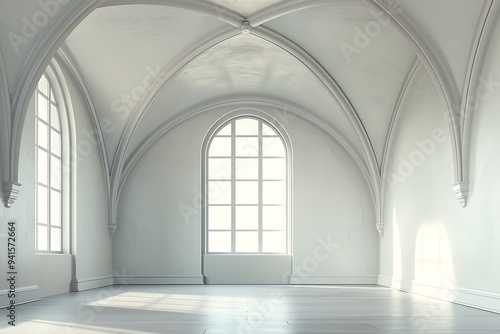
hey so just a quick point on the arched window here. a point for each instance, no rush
(246, 187)
(48, 175)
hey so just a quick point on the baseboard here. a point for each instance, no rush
(25, 294)
(338, 279)
(158, 279)
(91, 283)
(484, 300)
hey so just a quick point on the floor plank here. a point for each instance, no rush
(246, 309)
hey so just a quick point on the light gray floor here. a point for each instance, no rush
(234, 309)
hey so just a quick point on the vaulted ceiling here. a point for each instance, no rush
(344, 64)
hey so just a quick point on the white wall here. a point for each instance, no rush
(334, 236)
(89, 264)
(432, 245)
(91, 240)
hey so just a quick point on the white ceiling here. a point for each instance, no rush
(295, 56)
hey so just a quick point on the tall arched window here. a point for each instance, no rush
(48, 153)
(247, 189)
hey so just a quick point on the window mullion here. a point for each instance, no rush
(260, 176)
(233, 186)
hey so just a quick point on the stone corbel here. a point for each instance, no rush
(10, 193)
(380, 229)
(112, 229)
(461, 190)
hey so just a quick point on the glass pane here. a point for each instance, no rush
(247, 146)
(247, 242)
(42, 108)
(219, 217)
(42, 237)
(247, 217)
(225, 131)
(273, 192)
(55, 173)
(42, 203)
(220, 147)
(219, 192)
(43, 85)
(274, 168)
(247, 192)
(219, 241)
(267, 130)
(55, 143)
(274, 242)
(273, 147)
(42, 166)
(55, 239)
(219, 169)
(247, 169)
(55, 208)
(274, 218)
(43, 135)
(247, 126)
(54, 117)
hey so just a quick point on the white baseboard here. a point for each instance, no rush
(91, 283)
(24, 294)
(359, 279)
(158, 279)
(485, 300)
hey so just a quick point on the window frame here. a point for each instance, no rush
(57, 98)
(280, 134)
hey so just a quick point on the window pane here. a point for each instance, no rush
(55, 239)
(274, 218)
(247, 126)
(42, 166)
(219, 242)
(273, 192)
(42, 108)
(272, 147)
(274, 242)
(55, 143)
(274, 168)
(42, 203)
(219, 217)
(55, 208)
(43, 135)
(220, 147)
(247, 242)
(247, 146)
(42, 237)
(219, 192)
(247, 192)
(43, 85)
(55, 172)
(247, 217)
(54, 117)
(247, 168)
(219, 169)
(225, 131)
(267, 130)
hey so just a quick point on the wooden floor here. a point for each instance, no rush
(236, 309)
